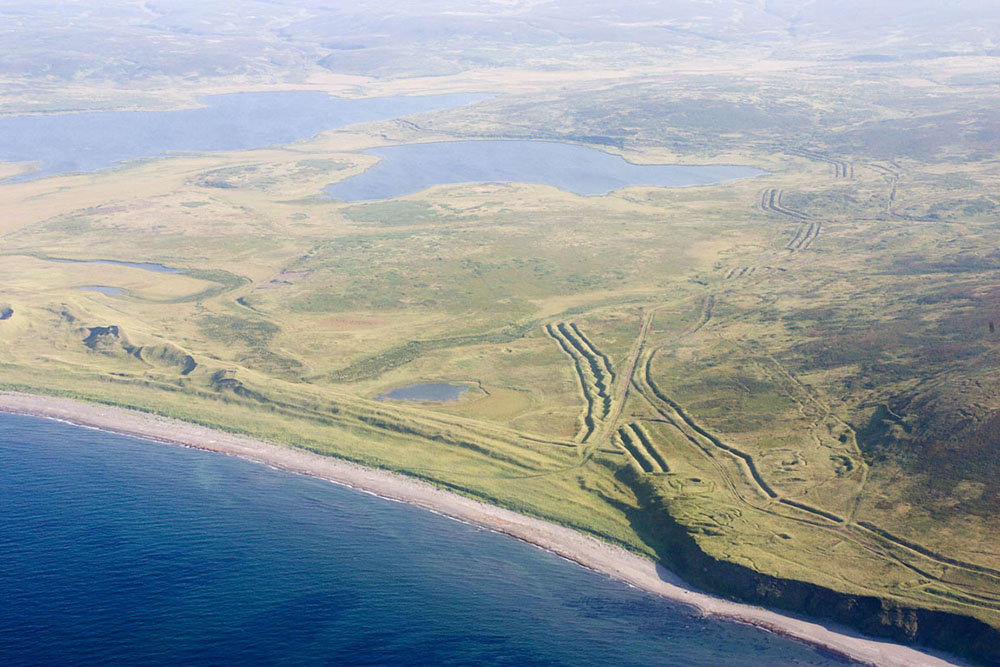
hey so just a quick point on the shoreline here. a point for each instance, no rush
(580, 548)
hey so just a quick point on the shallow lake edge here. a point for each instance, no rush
(580, 548)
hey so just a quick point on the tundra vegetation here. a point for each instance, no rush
(791, 376)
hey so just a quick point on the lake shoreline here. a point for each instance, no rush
(585, 550)
(409, 168)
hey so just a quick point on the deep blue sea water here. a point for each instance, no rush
(80, 142)
(410, 168)
(115, 550)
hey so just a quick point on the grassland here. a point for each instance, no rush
(793, 376)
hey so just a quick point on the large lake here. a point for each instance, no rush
(115, 550)
(410, 168)
(80, 142)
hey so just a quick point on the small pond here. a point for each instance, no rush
(437, 392)
(103, 289)
(410, 168)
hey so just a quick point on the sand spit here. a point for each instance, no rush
(570, 544)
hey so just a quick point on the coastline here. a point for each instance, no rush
(578, 547)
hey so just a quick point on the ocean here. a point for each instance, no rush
(119, 550)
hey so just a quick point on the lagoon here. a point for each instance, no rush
(411, 168)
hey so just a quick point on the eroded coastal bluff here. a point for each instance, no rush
(874, 616)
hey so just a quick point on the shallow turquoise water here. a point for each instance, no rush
(120, 551)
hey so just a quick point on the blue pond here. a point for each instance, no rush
(410, 168)
(121, 551)
(438, 392)
(81, 142)
(103, 289)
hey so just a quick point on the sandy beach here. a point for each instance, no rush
(577, 547)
